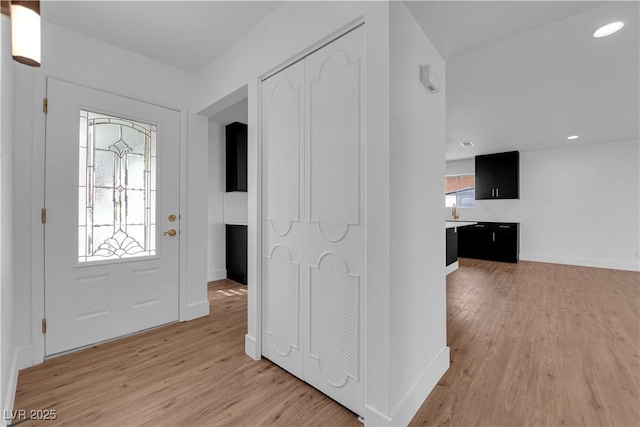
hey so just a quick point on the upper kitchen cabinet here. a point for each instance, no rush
(236, 145)
(498, 176)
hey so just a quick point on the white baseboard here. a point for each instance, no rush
(212, 276)
(407, 408)
(582, 262)
(195, 310)
(374, 418)
(21, 360)
(251, 347)
(451, 267)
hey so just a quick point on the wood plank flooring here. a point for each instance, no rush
(531, 344)
(536, 344)
(187, 374)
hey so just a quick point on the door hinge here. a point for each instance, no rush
(45, 105)
(44, 325)
(43, 215)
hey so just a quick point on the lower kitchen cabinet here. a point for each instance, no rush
(452, 245)
(505, 242)
(236, 252)
(489, 241)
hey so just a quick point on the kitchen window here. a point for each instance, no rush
(461, 190)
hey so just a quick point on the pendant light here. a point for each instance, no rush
(25, 32)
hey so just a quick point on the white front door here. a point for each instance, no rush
(112, 199)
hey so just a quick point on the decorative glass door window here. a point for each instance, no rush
(117, 188)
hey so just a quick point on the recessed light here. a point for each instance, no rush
(608, 29)
(573, 137)
(467, 144)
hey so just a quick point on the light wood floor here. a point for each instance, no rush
(188, 374)
(536, 344)
(531, 344)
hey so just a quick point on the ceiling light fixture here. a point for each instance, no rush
(608, 29)
(573, 137)
(467, 144)
(25, 30)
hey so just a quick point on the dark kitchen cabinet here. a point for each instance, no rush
(236, 146)
(489, 241)
(505, 242)
(472, 240)
(236, 251)
(452, 245)
(498, 176)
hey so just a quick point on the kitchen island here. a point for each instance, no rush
(451, 229)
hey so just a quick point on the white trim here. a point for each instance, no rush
(195, 310)
(373, 417)
(251, 347)
(254, 223)
(212, 276)
(583, 262)
(182, 264)
(451, 268)
(37, 228)
(21, 360)
(409, 405)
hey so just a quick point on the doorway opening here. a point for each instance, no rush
(227, 199)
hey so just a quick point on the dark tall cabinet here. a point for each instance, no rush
(236, 250)
(236, 235)
(236, 146)
(498, 176)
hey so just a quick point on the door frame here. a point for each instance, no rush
(38, 201)
(253, 337)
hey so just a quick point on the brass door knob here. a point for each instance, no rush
(170, 232)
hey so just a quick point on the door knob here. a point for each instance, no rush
(170, 232)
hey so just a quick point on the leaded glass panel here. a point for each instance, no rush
(116, 216)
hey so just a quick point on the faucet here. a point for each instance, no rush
(454, 212)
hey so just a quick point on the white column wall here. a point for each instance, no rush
(7, 343)
(419, 352)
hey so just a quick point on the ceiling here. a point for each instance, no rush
(184, 34)
(533, 89)
(521, 75)
(458, 27)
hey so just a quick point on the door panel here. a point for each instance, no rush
(112, 180)
(313, 222)
(282, 231)
(335, 226)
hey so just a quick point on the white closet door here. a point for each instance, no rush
(282, 215)
(334, 222)
(313, 221)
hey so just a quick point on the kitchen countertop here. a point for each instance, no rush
(454, 224)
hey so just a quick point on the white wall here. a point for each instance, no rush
(419, 352)
(236, 205)
(216, 260)
(7, 345)
(578, 205)
(82, 60)
(294, 28)
(581, 205)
